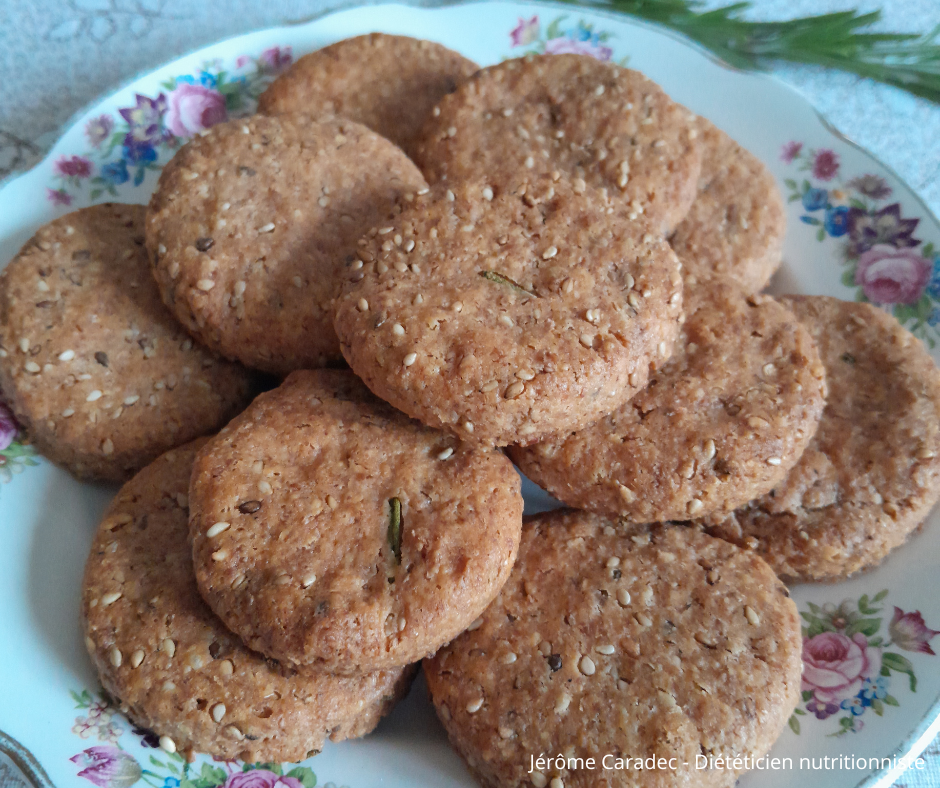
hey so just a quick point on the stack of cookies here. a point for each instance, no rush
(547, 259)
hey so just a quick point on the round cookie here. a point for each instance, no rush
(871, 474)
(388, 83)
(508, 316)
(596, 121)
(251, 223)
(91, 362)
(737, 223)
(721, 423)
(330, 530)
(174, 666)
(649, 642)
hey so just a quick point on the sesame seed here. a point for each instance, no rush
(269, 227)
(549, 253)
(436, 112)
(234, 732)
(457, 306)
(774, 460)
(633, 300)
(218, 712)
(587, 340)
(506, 320)
(769, 369)
(539, 780)
(695, 506)
(612, 562)
(606, 649)
(567, 285)
(586, 666)
(409, 245)
(514, 390)
(529, 162)
(167, 744)
(215, 530)
(757, 422)
(24, 344)
(42, 286)
(643, 620)
(468, 426)
(648, 596)
(264, 487)
(331, 502)
(220, 555)
(626, 493)
(111, 598)
(136, 658)
(452, 131)
(168, 647)
(623, 596)
(593, 315)
(32, 366)
(525, 374)
(712, 576)
(68, 412)
(709, 449)
(505, 732)
(356, 265)
(418, 299)
(450, 196)
(107, 447)
(66, 355)
(398, 329)
(410, 359)
(663, 349)
(751, 615)
(297, 281)
(308, 581)
(445, 454)
(475, 705)
(508, 658)
(226, 668)
(239, 288)
(401, 267)
(634, 379)
(363, 305)
(599, 90)
(561, 705)
(115, 657)
(415, 268)
(475, 625)
(205, 285)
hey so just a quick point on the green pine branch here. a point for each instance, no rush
(838, 40)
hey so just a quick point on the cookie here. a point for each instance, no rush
(610, 126)
(508, 316)
(721, 423)
(91, 361)
(176, 669)
(251, 223)
(330, 530)
(388, 83)
(871, 474)
(617, 645)
(737, 222)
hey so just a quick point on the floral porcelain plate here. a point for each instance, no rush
(871, 681)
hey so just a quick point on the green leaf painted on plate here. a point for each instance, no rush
(891, 661)
(304, 774)
(794, 724)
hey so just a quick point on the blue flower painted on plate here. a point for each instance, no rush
(837, 221)
(815, 199)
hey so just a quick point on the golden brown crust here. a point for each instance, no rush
(721, 423)
(174, 666)
(736, 225)
(509, 316)
(92, 363)
(388, 83)
(247, 231)
(306, 569)
(608, 125)
(637, 642)
(871, 474)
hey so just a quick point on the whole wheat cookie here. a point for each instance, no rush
(871, 474)
(608, 125)
(508, 316)
(737, 223)
(719, 424)
(91, 362)
(388, 83)
(330, 530)
(252, 221)
(615, 645)
(176, 669)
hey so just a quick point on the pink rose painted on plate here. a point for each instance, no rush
(108, 766)
(909, 632)
(525, 32)
(193, 108)
(835, 665)
(825, 164)
(570, 46)
(260, 778)
(888, 275)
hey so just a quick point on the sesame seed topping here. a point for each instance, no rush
(24, 344)
(539, 780)
(93, 396)
(363, 305)
(769, 369)
(561, 705)
(111, 598)
(409, 245)
(115, 657)
(410, 359)
(297, 281)
(66, 355)
(205, 285)
(549, 253)
(756, 422)
(514, 390)
(633, 300)
(599, 90)
(525, 374)
(605, 649)
(586, 666)
(774, 460)
(239, 288)
(508, 658)
(220, 555)
(445, 454)
(264, 487)
(168, 647)
(475, 625)
(634, 379)
(663, 349)
(136, 658)
(593, 315)
(695, 506)
(751, 615)
(648, 596)
(309, 580)
(487, 193)
(32, 366)
(226, 668)
(643, 620)
(167, 744)
(267, 228)
(475, 705)
(42, 286)
(218, 712)
(505, 732)
(587, 340)
(468, 426)
(612, 562)
(398, 329)
(107, 447)
(68, 412)
(709, 449)
(331, 502)
(626, 493)
(529, 162)
(215, 530)
(506, 320)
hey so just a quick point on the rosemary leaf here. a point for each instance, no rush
(494, 276)
(394, 527)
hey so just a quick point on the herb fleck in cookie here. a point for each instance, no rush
(174, 666)
(509, 316)
(388, 83)
(721, 423)
(625, 643)
(736, 224)
(251, 224)
(871, 474)
(330, 530)
(607, 125)
(91, 361)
